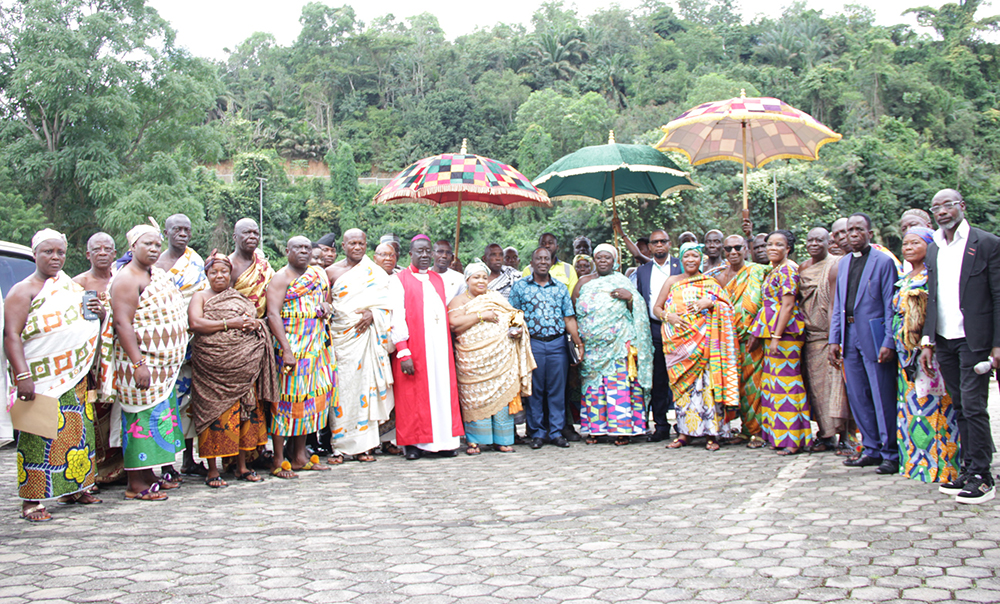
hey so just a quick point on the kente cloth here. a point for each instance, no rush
(706, 344)
(784, 404)
(895, 260)
(310, 388)
(231, 433)
(927, 422)
(610, 330)
(47, 469)
(498, 429)
(152, 437)
(428, 415)
(825, 390)
(188, 274)
(233, 365)
(615, 405)
(364, 370)
(160, 325)
(59, 344)
(744, 290)
(824, 382)
(493, 368)
(502, 284)
(253, 282)
(780, 281)
(698, 412)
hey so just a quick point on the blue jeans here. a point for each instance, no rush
(547, 403)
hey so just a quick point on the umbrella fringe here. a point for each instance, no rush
(749, 116)
(411, 196)
(465, 203)
(610, 168)
(626, 196)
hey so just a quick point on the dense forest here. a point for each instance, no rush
(105, 120)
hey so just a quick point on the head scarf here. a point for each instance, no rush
(143, 229)
(580, 257)
(476, 267)
(687, 246)
(45, 235)
(923, 232)
(214, 257)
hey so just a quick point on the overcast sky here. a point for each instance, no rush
(206, 28)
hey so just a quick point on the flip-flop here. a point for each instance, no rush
(36, 513)
(473, 450)
(678, 443)
(151, 494)
(249, 476)
(756, 442)
(334, 460)
(313, 465)
(198, 469)
(712, 446)
(77, 498)
(788, 451)
(169, 476)
(167, 485)
(216, 483)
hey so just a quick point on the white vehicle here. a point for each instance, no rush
(16, 263)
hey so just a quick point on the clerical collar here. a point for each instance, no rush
(863, 252)
(414, 269)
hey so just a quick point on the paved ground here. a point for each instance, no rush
(588, 524)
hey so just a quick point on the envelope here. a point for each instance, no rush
(40, 416)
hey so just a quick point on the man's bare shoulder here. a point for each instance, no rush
(281, 279)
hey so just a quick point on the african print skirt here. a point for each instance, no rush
(64, 465)
(616, 406)
(926, 431)
(108, 460)
(495, 430)
(152, 437)
(228, 435)
(784, 404)
(285, 425)
(698, 413)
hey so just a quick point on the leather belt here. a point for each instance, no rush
(547, 338)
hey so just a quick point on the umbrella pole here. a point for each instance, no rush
(458, 225)
(746, 203)
(614, 209)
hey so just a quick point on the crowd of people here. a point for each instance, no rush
(140, 357)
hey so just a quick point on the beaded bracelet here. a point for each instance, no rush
(139, 363)
(22, 376)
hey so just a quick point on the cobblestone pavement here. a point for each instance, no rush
(589, 524)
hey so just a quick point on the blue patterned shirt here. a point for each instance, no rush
(544, 306)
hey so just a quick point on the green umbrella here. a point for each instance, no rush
(607, 172)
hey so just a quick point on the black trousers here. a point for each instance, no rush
(661, 399)
(969, 393)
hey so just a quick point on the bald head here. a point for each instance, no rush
(354, 234)
(100, 238)
(177, 228)
(246, 237)
(818, 243)
(100, 251)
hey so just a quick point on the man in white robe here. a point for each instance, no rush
(360, 331)
(428, 417)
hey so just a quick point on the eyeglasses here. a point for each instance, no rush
(944, 206)
(659, 241)
(730, 248)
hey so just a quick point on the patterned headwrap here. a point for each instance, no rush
(45, 235)
(476, 267)
(691, 245)
(214, 257)
(580, 257)
(143, 229)
(923, 232)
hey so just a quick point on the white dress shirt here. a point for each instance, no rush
(454, 284)
(657, 277)
(950, 323)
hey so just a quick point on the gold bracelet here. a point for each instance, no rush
(225, 326)
(480, 315)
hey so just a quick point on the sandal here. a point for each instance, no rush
(712, 446)
(216, 483)
(788, 451)
(820, 447)
(198, 469)
(364, 457)
(756, 442)
(166, 485)
(739, 439)
(473, 450)
(503, 448)
(334, 460)
(622, 441)
(36, 513)
(313, 465)
(680, 441)
(83, 498)
(249, 476)
(151, 494)
(170, 477)
(390, 449)
(284, 471)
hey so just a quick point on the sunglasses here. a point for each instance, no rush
(658, 241)
(730, 248)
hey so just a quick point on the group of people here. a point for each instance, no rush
(139, 357)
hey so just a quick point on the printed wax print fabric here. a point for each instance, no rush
(544, 307)
(152, 437)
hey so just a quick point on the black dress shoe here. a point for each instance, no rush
(658, 435)
(561, 442)
(448, 453)
(863, 461)
(888, 467)
(411, 452)
(536, 443)
(571, 434)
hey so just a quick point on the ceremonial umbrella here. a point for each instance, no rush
(751, 131)
(457, 179)
(608, 172)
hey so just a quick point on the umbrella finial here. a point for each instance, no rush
(611, 137)
(743, 93)
(465, 142)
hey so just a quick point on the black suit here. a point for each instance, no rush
(661, 399)
(979, 301)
